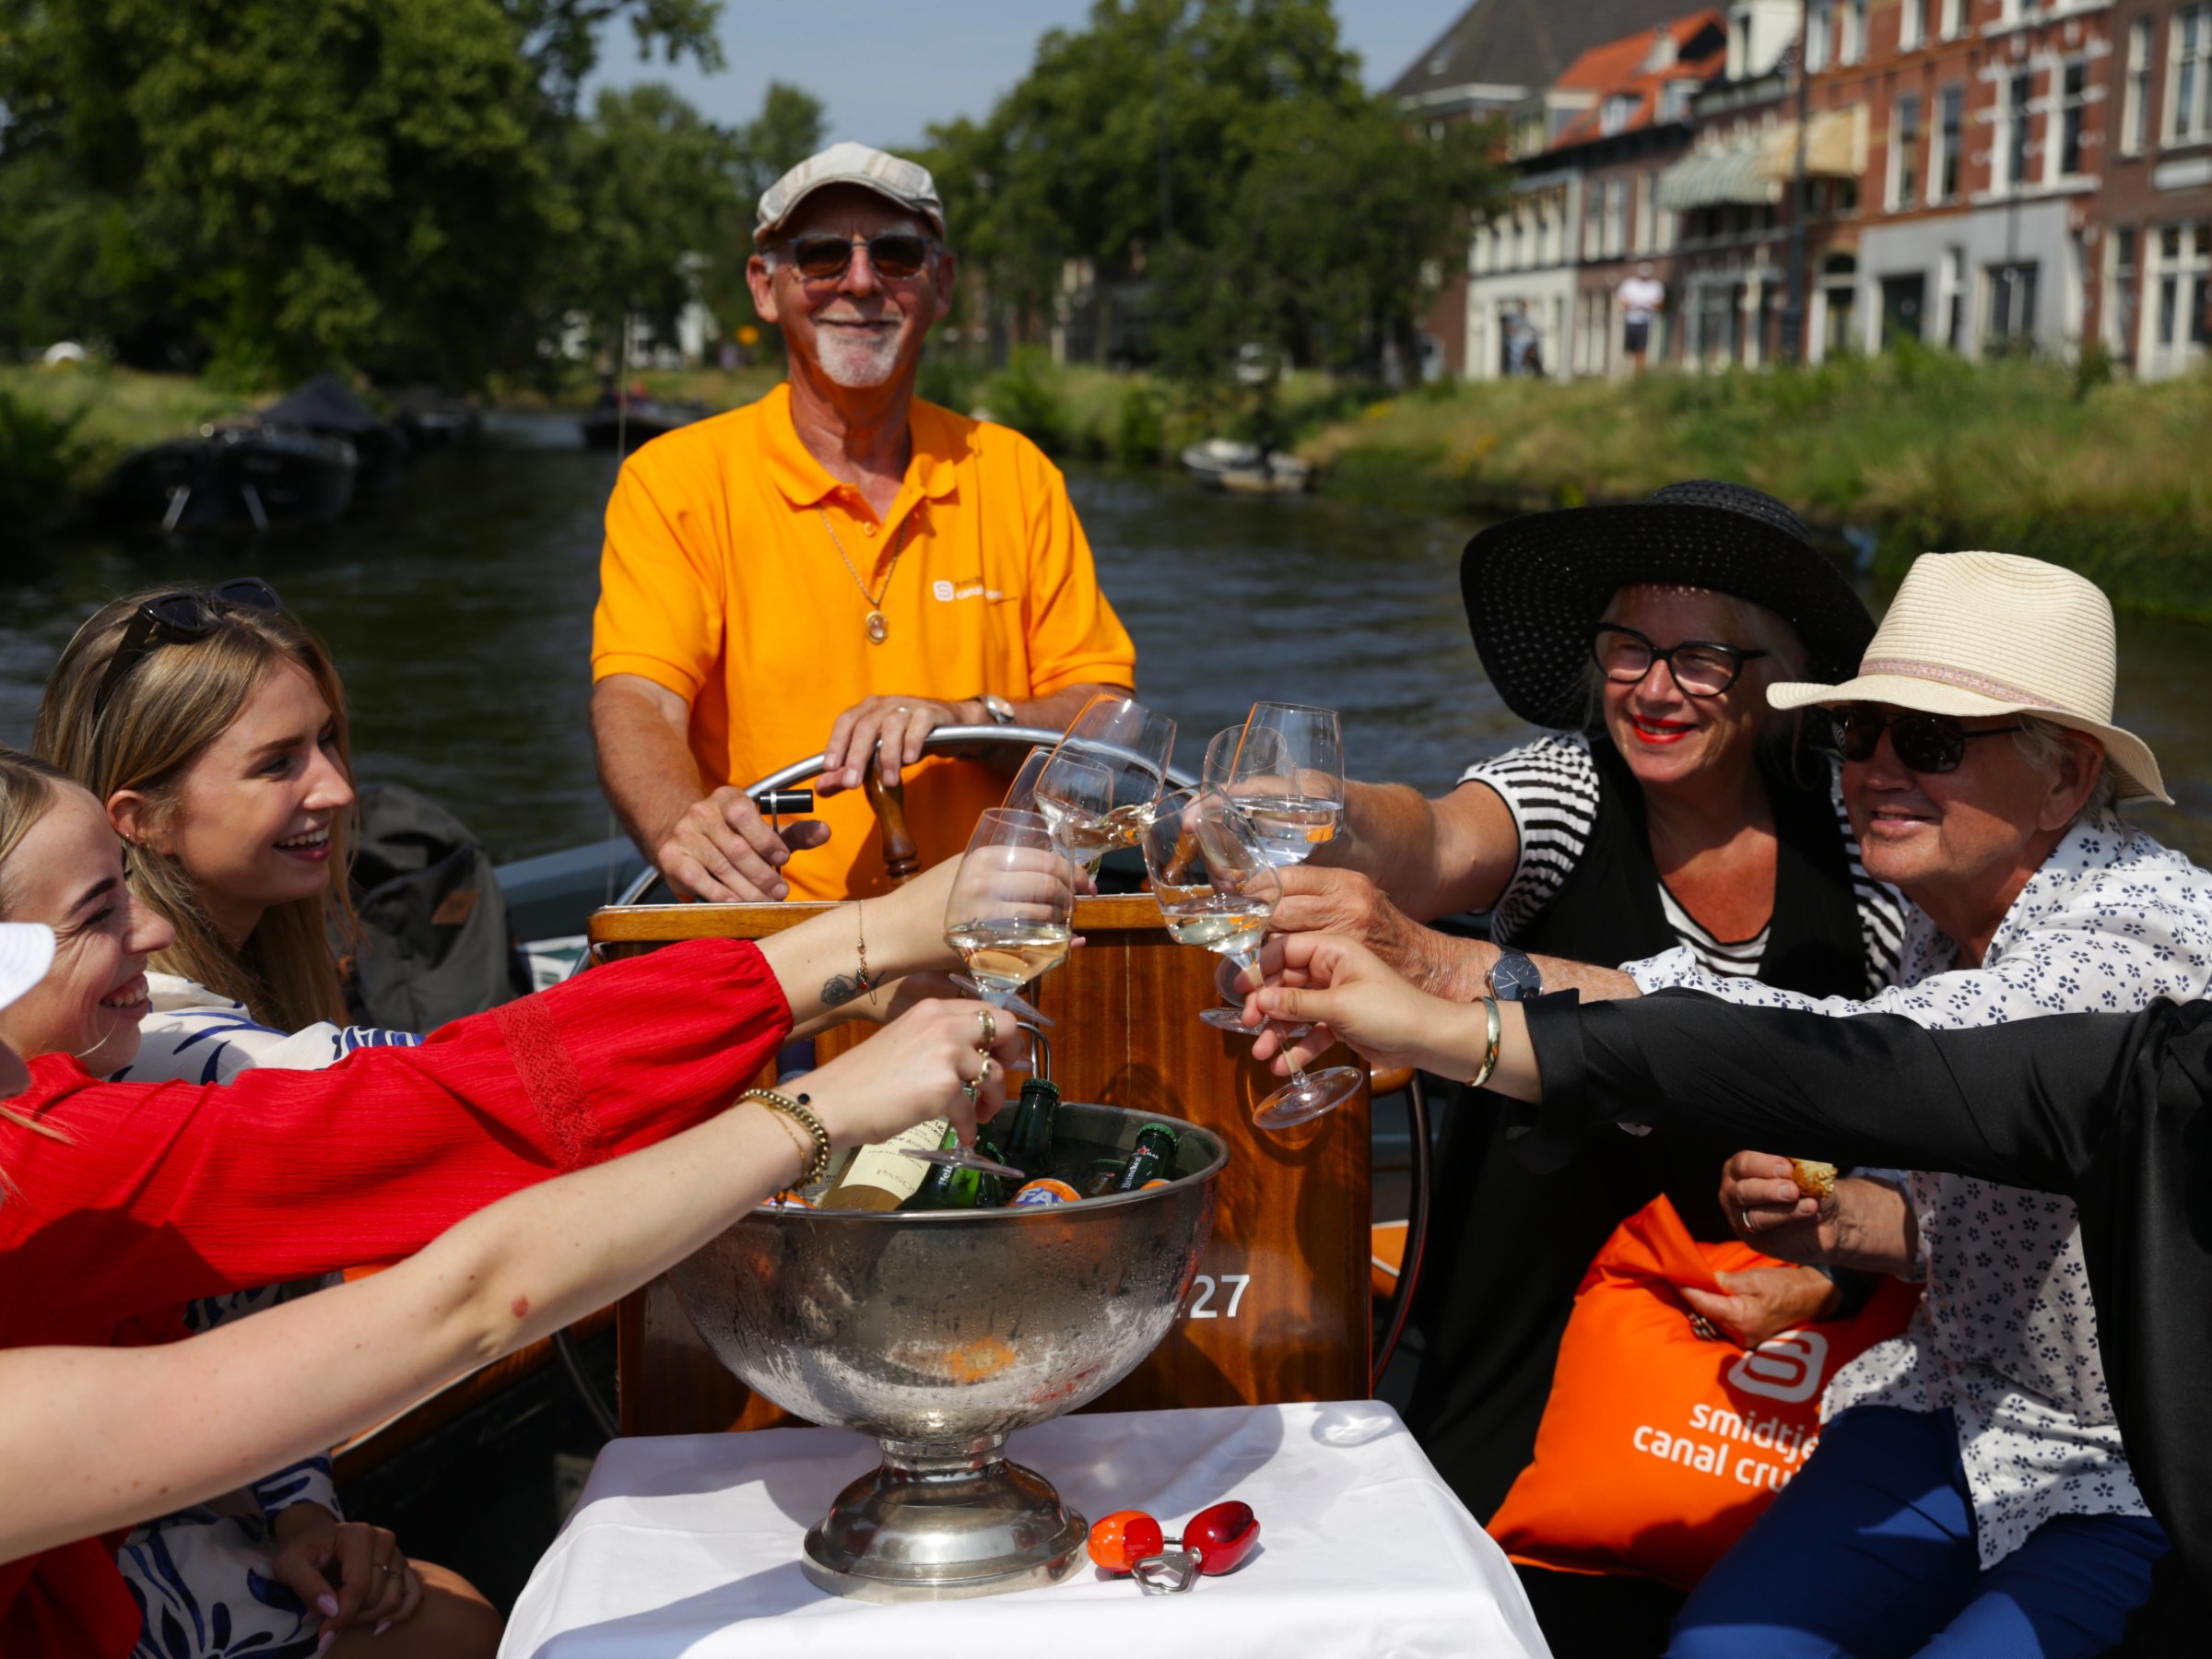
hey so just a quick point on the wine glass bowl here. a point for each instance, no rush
(1135, 746)
(1289, 779)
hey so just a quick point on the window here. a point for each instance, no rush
(1593, 221)
(1613, 115)
(1904, 156)
(2012, 132)
(2135, 109)
(2010, 314)
(2064, 130)
(1853, 46)
(1673, 100)
(1838, 293)
(2127, 291)
(1645, 198)
(1954, 18)
(2189, 82)
(1913, 25)
(1617, 217)
(1942, 167)
(1819, 35)
(2183, 324)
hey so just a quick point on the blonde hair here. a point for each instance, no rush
(28, 788)
(159, 718)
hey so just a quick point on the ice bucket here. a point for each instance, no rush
(941, 1332)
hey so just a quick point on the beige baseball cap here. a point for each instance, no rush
(893, 177)
(1993, 633)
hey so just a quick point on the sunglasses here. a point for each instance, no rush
(1923, 743)
(1700, 668)
(894, 256)
(179, 618)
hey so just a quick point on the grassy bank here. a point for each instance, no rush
(1922, 449)
(61, 428)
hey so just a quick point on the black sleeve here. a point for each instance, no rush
(2023, 1104)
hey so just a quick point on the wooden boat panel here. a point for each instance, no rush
(1290, 1242)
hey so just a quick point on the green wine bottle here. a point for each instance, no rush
(1151, 1162)
(944, 1187)
(1029, 1137)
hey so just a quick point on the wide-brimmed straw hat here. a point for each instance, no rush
(1533, 585)
(26, 952)
(1971, 634)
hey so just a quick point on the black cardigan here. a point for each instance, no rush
(2108, 1109)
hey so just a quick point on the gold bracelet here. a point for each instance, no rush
(818, 1165)
(1489, 1059)
(862, 978)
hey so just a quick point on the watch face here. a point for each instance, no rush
(1515, 978)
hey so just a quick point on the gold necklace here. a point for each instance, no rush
(878, 628)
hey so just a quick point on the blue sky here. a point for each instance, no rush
(887, 71)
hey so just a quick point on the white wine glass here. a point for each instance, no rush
(1135, 745)
(1075, 795)
(1011, 916)
(1216, 887)
(1289, 779)
(1220, 772)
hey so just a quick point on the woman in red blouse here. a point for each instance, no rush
(128, 1200)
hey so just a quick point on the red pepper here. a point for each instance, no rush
(1124, 1538)
(1223, 1537)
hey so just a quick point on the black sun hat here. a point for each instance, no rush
(1533, 585)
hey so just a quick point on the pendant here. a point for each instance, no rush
(879, 629)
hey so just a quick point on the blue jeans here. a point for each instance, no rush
(1869, 1553)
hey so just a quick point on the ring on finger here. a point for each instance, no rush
(1744, 1216)
(990, 1029)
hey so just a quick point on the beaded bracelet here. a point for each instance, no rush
(818, 1166)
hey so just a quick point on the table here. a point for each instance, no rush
(689, 1545)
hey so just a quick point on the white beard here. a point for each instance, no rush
(856, 360)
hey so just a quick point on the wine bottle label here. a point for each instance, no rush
(885, 1166)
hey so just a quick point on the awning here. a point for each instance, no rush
(1723, 174)
(1835, 146)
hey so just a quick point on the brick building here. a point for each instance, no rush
(2153, 259)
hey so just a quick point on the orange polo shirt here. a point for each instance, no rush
(721, 580)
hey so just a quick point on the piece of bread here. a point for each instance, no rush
(1813, 1180)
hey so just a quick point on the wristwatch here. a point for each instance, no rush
(1513, 977)
(998, 708)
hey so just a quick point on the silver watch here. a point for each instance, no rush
(998, 708)
(1513, 977)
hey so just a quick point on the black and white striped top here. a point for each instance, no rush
(1550, 786)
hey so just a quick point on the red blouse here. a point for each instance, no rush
(162, 1193)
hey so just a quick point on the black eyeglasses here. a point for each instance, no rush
(1700, 668)
(179, 618)
(895, 255)
(1923, 743)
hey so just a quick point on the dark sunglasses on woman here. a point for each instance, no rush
(895, 255)
(179, 618)
(1923, 743)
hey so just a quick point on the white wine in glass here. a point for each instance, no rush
(1135, 746)
(1289, 779)
(1215, 888)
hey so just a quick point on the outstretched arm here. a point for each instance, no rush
(97, 1439)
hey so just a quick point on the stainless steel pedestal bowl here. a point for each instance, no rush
(940, 1333)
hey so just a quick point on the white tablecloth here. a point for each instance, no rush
(690, 1546)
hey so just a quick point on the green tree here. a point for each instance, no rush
(293, 184)
(789, 128)
(1224, 153)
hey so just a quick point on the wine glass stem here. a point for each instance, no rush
(1246, 962)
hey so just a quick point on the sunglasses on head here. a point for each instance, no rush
(179, 618)
(895, 255)
(1923, 743)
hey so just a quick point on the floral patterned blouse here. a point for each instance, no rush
(2005, 1337)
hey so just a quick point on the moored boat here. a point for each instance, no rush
(615, 421)
(326, 407)
(255, 477)
(1246, 468)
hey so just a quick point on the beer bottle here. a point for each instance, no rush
(1153, 1160)
(1030, 1137)
(881, 1176)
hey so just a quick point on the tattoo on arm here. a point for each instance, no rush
(839, 989)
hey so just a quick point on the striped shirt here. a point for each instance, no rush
(1551, 787)
(194, 1035)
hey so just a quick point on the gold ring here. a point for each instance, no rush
(990, 1029)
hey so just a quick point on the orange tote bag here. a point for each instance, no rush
(1657, 1450)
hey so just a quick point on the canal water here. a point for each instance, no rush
(460, 613)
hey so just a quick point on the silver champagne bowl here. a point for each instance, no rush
(939, 1335)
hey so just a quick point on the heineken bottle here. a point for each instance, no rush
(1029, 1137)
(1148, 1165)
(946, 1188)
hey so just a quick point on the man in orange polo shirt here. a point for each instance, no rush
(838, 565)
